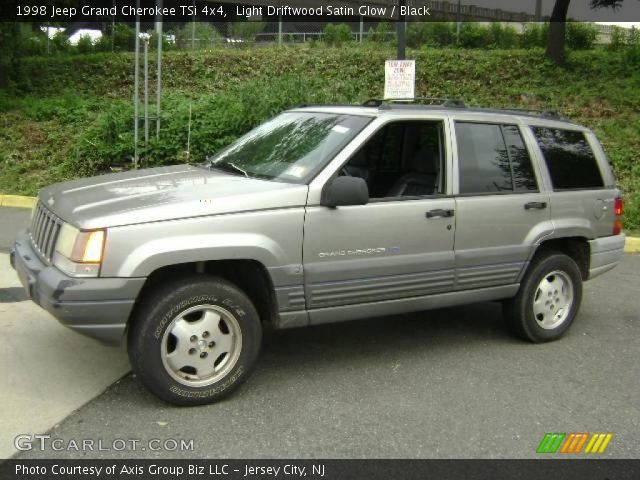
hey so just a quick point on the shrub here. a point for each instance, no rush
(204, 34)
(380, 33)
(503, 36)
(32, 42)
(473, 35)
(535, 35)
(633, 37)
(336, 35)
(618, 38)
(247, 31)
(124, 38)
(60, 42)
(581, 36)
(85, 44)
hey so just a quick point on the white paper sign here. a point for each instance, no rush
(399, 79)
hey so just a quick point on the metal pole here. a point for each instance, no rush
(279, 30)
(47, 39)
(159, 70)
(361, 27)
(193, 27)
(538, 10)
(113, 29)
(458, 24)
(402, 30)
(136, 94)
(146, 91)
(189, 136)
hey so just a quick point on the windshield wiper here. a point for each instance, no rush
(235, 168)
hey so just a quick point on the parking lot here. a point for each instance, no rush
(443, 384)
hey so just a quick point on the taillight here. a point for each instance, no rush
(618, 210)
(618, 207)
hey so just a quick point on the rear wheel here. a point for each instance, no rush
(194, 340)
(548, 299)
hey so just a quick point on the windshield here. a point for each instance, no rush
(292, 147)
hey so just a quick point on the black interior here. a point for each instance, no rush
(403, 159)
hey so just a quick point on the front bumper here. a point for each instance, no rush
(96, 307)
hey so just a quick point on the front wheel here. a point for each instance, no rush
(548, 299)
(194, 340)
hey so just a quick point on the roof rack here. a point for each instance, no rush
(444, 102)
(434, 102)
(532, 111)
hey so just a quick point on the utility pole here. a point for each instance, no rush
(458, 23)
(146, 89)
(193, 28)
(136, 88)
(538, 10)
(402, 31)
(159, 70)
(113, 28)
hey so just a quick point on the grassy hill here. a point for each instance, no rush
(72, 115)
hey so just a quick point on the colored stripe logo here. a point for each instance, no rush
(574, 442)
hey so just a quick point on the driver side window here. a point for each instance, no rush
(402, 160)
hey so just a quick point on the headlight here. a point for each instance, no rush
(79, 253)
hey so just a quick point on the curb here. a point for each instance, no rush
(632, 244)
(17, 201)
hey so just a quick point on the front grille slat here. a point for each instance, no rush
(51, 244)
(38, 221)
(42, 229)
(46, 236)
(38, 232)
(44, 232)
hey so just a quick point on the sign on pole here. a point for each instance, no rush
(399, 79)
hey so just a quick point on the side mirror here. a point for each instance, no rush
(344, 191)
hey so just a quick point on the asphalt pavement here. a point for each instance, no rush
(11, 221)
(450, 383)
(46, 370)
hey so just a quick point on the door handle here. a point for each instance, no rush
(535, 206)
(440, 213)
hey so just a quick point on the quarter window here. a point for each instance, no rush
(569, 158)
(493, 158)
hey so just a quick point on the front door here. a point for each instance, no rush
(400, 244)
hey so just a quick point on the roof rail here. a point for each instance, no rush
(445, 102)
(452, 103)
(532, 111)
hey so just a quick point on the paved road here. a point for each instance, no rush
(11, 221)
(46, 371)
(444, 384)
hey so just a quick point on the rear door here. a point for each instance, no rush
(584, 192)
(502, 210)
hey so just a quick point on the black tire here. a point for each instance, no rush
(519, 311)
(157, 312)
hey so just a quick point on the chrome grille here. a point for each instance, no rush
(45, 227)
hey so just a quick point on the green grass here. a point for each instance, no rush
(73, 116)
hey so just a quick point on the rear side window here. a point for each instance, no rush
(493, 158)
(570, 160)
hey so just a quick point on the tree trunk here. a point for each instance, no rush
(557, 32)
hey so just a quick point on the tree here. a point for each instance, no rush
(558, 27)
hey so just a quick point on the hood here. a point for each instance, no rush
(165, 193)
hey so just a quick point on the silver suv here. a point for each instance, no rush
(325, 214)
